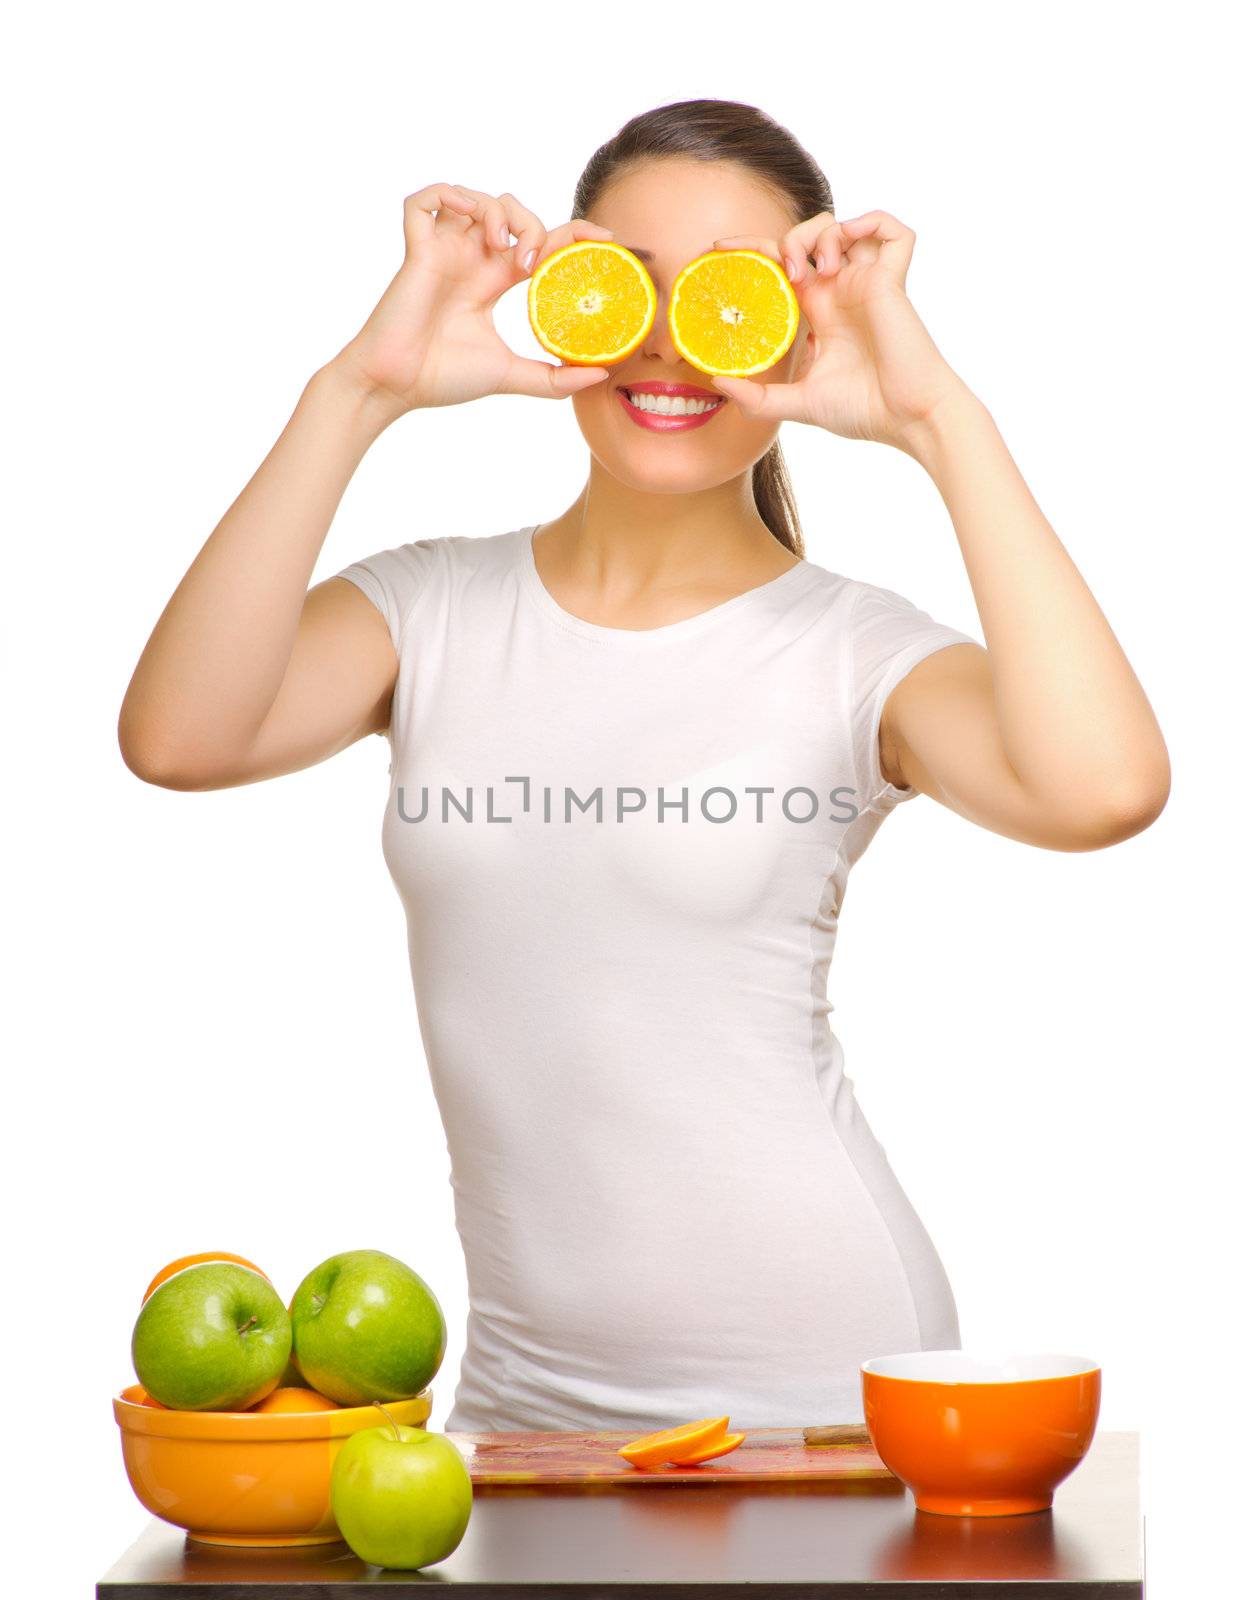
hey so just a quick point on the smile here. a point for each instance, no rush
(665, 411)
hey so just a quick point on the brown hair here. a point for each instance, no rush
(723, 130)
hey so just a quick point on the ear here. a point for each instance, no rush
(809, 350)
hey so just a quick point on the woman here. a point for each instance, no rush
(635, 752)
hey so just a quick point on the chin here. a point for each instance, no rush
(675, 464)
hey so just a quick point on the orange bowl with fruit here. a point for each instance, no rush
(244, 1477)
(981, 1435)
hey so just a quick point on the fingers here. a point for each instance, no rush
(816, 239)
(766, 402)
(491, 216)
(750, 241)
(497, 217)
(500, 218)
(566, 232)
(546, 382)
(419, 210)
(792, 251)
(527, 227)
(877, 235)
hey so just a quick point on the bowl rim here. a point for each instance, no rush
(1079, 1367)
(259, 1427)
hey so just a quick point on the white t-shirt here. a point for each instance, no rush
(623, 856)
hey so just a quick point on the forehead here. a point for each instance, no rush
(675, 208)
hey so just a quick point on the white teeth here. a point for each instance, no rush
(667, 405)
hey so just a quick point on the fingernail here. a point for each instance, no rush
(530, 259)
(503, 237)
(819, 263)
(790, 266)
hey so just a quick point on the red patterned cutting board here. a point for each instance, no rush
(764, 1455)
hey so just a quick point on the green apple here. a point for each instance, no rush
(401, 1496)
(366, 1327)
(214, 1337)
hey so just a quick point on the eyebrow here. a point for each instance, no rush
(642, 255)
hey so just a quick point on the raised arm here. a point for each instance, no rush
(248, 673)
(1046, 735)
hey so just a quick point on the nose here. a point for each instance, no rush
(658, 344)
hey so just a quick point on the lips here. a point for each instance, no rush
(689, 390)
(656, 421)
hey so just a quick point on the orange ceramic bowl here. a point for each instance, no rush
(242, 1477)
(980, 1435)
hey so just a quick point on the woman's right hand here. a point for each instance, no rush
(431, 339)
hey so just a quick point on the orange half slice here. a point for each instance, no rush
(652, 1449)
(591, 303)
(733, 313)
(717, 1447)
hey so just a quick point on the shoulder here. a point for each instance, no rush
(862, 611)
(883, 634)
(884, 622)
(399, 579)
(855, 598)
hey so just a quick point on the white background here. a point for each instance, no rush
(211, 1031)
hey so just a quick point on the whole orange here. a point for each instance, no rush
(194, 1261)
(292, 1399)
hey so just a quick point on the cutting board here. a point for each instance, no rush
(779, 1455)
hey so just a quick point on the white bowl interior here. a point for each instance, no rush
(971, 1366)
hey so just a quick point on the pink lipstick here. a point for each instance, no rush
(657, 421)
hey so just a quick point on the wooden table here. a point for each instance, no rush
(692, 1542)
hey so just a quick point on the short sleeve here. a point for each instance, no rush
(394, 580)
(888, 635)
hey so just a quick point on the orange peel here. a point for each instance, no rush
(653, 1449)
(718, 1447)
(198, 1260)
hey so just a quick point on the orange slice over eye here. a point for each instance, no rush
(652, 1449)
(591, 303)
(718, 1447)
(732, 313)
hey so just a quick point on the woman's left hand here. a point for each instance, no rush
(870, 369)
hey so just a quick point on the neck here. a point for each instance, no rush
(617, 538)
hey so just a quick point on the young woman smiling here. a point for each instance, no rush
(621, 922)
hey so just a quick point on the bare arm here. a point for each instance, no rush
(248, 673)
(1046, 736)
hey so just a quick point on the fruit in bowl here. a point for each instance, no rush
(226, 1435)
(244, 1477)
(294, 1399)
(981, 1435)
(401, 1496)
(213, 1337)
(366, 1327)
(168, 1271)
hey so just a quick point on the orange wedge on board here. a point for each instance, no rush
(591, 303)
(732, 312)
(652, 1449)
(718, 1447)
